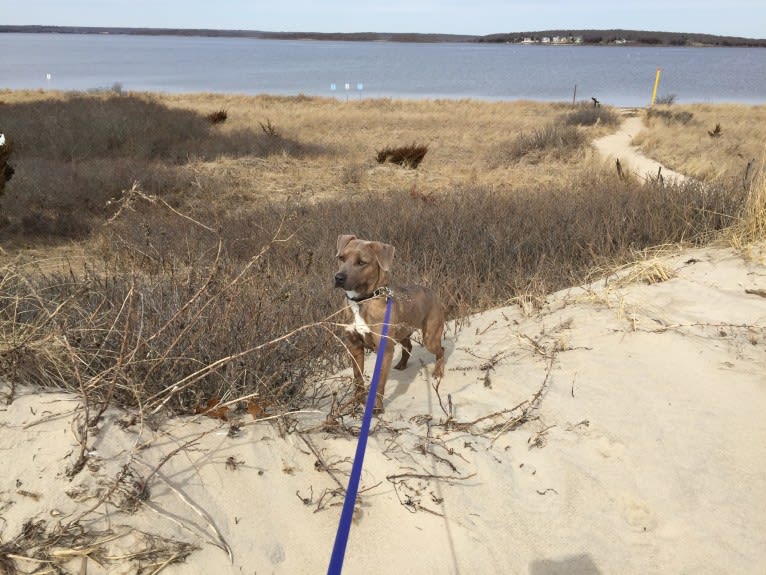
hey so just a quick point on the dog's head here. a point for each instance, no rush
(363, 265)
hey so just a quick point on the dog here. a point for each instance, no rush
(363, 274)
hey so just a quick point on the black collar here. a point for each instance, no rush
(361, 298)
(382, 291)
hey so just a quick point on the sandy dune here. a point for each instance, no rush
(619, 429)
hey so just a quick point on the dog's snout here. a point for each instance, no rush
(340, 279)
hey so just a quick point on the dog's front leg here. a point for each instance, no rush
(357, 365)
(385, 367)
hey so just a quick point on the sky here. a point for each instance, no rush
(745, 18)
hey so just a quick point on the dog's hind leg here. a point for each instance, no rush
(439, 368)
(406, 352)
(432, 339)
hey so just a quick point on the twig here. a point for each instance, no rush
(321, 461)
(223, 544)
(428, 476)
(486, 329)
(535, 345)
(532, 405)
(169, 456)
(213, 271)
(166, 563)
(703, 324)
(83, 431)
(124, 472)
(121, 358)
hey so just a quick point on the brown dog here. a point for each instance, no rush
(363, 271)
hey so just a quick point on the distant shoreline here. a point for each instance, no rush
(545, 37)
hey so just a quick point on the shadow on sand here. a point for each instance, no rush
(574, 565)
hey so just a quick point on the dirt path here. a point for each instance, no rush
(619, 147)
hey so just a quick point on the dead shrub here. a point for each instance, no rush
(78, 153)
(666, 100)
(218, 117)
(87, 127)
(269, 129)
(406, 156)
(176, 311)
(670, 116)
(559, 140)
(715, 132)
(587, 115)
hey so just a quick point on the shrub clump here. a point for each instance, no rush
(670, 116)
(176, 313)
(80, 152)
(406, 156)
(218, 117)
(556, 139)
(667, 99)
(587, 115)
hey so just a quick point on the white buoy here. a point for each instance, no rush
(2, 139)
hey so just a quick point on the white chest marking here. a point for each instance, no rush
(359, 326)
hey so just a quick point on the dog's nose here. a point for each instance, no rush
(340, 279)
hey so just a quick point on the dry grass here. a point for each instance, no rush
(211, 280)
(679, 137)
(462, 139)
(751, 227)
(315, 148)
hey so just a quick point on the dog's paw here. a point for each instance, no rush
(378, 409)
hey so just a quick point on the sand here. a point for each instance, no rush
(619, 147)
(618, 428)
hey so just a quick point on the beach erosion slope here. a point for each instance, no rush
(617, 428)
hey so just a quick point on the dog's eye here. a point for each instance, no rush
(362, 263)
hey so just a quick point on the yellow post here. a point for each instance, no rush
(656, 85)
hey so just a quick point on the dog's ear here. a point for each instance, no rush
(343, 242)
(384, 253)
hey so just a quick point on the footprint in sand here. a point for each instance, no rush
(638, 515)
(276, 553)
(608, 448)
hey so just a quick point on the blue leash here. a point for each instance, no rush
(344, 526)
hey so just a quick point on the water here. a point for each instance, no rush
(621, 76)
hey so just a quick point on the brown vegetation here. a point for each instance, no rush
(405, 156)
(209, 282)
(218, 117)
(680, 136)
(6, 169)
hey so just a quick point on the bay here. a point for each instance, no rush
(616, 75)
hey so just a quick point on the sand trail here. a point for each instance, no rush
(619, 147)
